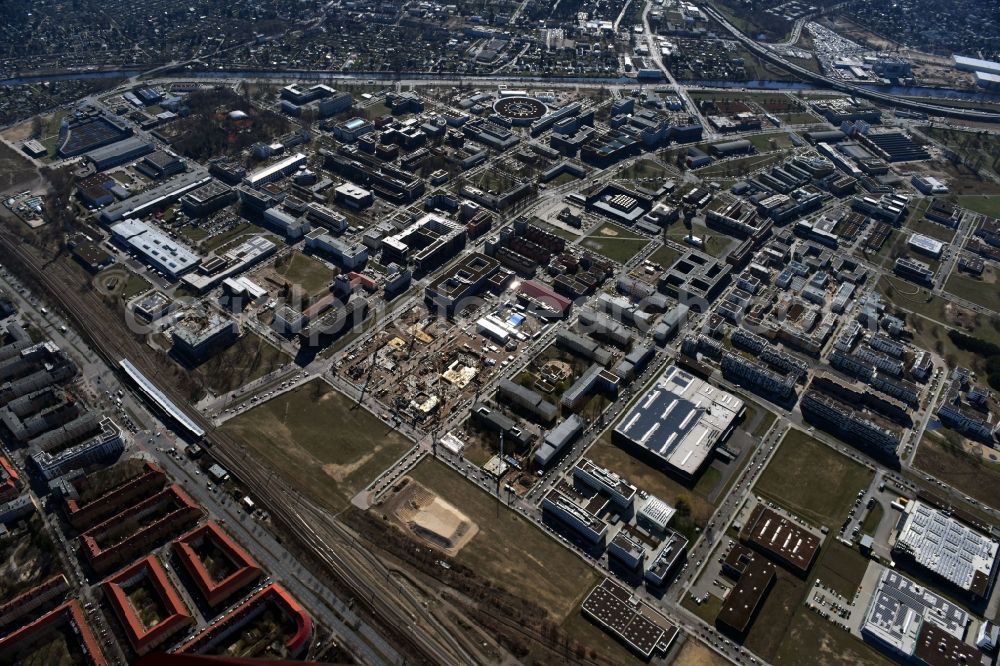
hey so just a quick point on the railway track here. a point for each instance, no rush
(89, 316)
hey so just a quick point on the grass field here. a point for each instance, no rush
(708, 610)
(987, 204)
(930, 329)
(615, 242)
(193, 234)
(930, 228)
(872, 519)
(15, 169)
(308, 274)
(983, 290)
(713, 244)
(810, 639)
(665, 256)
(696, 653)
(134, 286)
(218, 240)
(509, 549)
(969, 474)
(840, 568)
(319, 442)
(912, 297)
(774, 617)
(762, 142)
(643, 169)
(247, 359)
(742, 166)
(812, 480)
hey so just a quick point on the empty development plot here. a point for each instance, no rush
(311, 276)
(15, 169)
(317, 440)
(428, 517)
(810, 639)
(942, 453)
(696, 653)
(615, 242)
(812, 480)
(508, 548)
(247, 359)
(983, 290)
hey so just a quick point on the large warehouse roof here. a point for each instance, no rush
(957, 553)
(680, 420)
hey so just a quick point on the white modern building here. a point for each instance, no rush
(157, 249)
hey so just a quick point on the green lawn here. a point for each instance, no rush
(986, 204)
(713, 244)
(913, 298)
(247, 359)
(762, 142)
(193, 234)
(800, 118)
(665, 256)
(214, 242)
(984, 290)
(872, 519)
(742, 166)
(319, 441)
(812, 480)
(615, 242)
(930, 228)
(134, 286)
(310, 275)
(707, 610)
(642, 170)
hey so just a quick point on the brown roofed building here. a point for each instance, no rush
(741, 605)
(68, 620)
(218, 565)
(163, 613)
(936, 647)
(781, 539)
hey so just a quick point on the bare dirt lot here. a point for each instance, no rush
(419, 511)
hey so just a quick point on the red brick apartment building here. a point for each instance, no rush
(244, 570)
(106, 548)
(147, 571)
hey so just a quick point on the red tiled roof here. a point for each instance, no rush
(216, 591)
(273, 593)
(103, 558)
(70, 613)
(8, 489)
(143, 638)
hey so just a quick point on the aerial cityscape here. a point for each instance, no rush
(591, 332)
